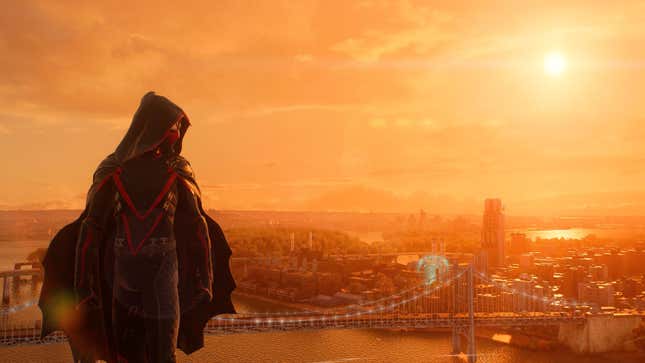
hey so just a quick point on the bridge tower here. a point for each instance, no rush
(456, 341)
(6, 292)
(472, 355)
(458, 330)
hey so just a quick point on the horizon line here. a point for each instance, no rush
(355, 212)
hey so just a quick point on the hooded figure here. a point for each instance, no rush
(143, 268)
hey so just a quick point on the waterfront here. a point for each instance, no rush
(618, 233)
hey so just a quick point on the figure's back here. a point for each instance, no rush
(144, 178)
(146, 266)
(145, 204)
(141, 251)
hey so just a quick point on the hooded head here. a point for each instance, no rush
(156, 124)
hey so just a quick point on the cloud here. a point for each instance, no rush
(304, 58)
(372, 46)
(287, 96)
(4, 130)
(417, 29)
(97, 59)
(424, 124)
(296, 108)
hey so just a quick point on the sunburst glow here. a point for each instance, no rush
(554, 64)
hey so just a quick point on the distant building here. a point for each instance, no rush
(519, 244)
(599, 273)
(480, 261)
(526, 262)
(572, 277)
(493, 233)
(544, 271)
(522, 292)
(601, 294)
(632, 287)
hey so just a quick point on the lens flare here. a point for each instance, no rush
(432, 267)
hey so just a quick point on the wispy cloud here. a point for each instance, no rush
(4, 130)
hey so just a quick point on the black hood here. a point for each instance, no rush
(155, 115)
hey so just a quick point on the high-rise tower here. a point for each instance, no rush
(493, 232)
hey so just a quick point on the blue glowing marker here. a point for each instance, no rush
(432, 267)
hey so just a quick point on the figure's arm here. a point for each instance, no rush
(223, 283)
(92, 230)
(198, 239)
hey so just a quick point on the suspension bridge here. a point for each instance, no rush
(459, 299)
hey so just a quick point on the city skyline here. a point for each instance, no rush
(549, 294)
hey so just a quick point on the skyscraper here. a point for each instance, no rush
(493, 232)
(519, 244)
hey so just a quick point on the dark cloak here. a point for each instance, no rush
(89, 330)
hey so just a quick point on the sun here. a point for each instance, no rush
(554, 64)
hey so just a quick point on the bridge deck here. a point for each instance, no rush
(229, 325)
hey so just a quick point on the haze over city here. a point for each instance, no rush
(322, 181)
(335, 105)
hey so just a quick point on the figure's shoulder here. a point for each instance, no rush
(105, 168)
(102, 176)
(184, 170)
(181, 166)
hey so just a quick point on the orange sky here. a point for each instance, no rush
(353, 105)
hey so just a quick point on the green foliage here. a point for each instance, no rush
(262, 241)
